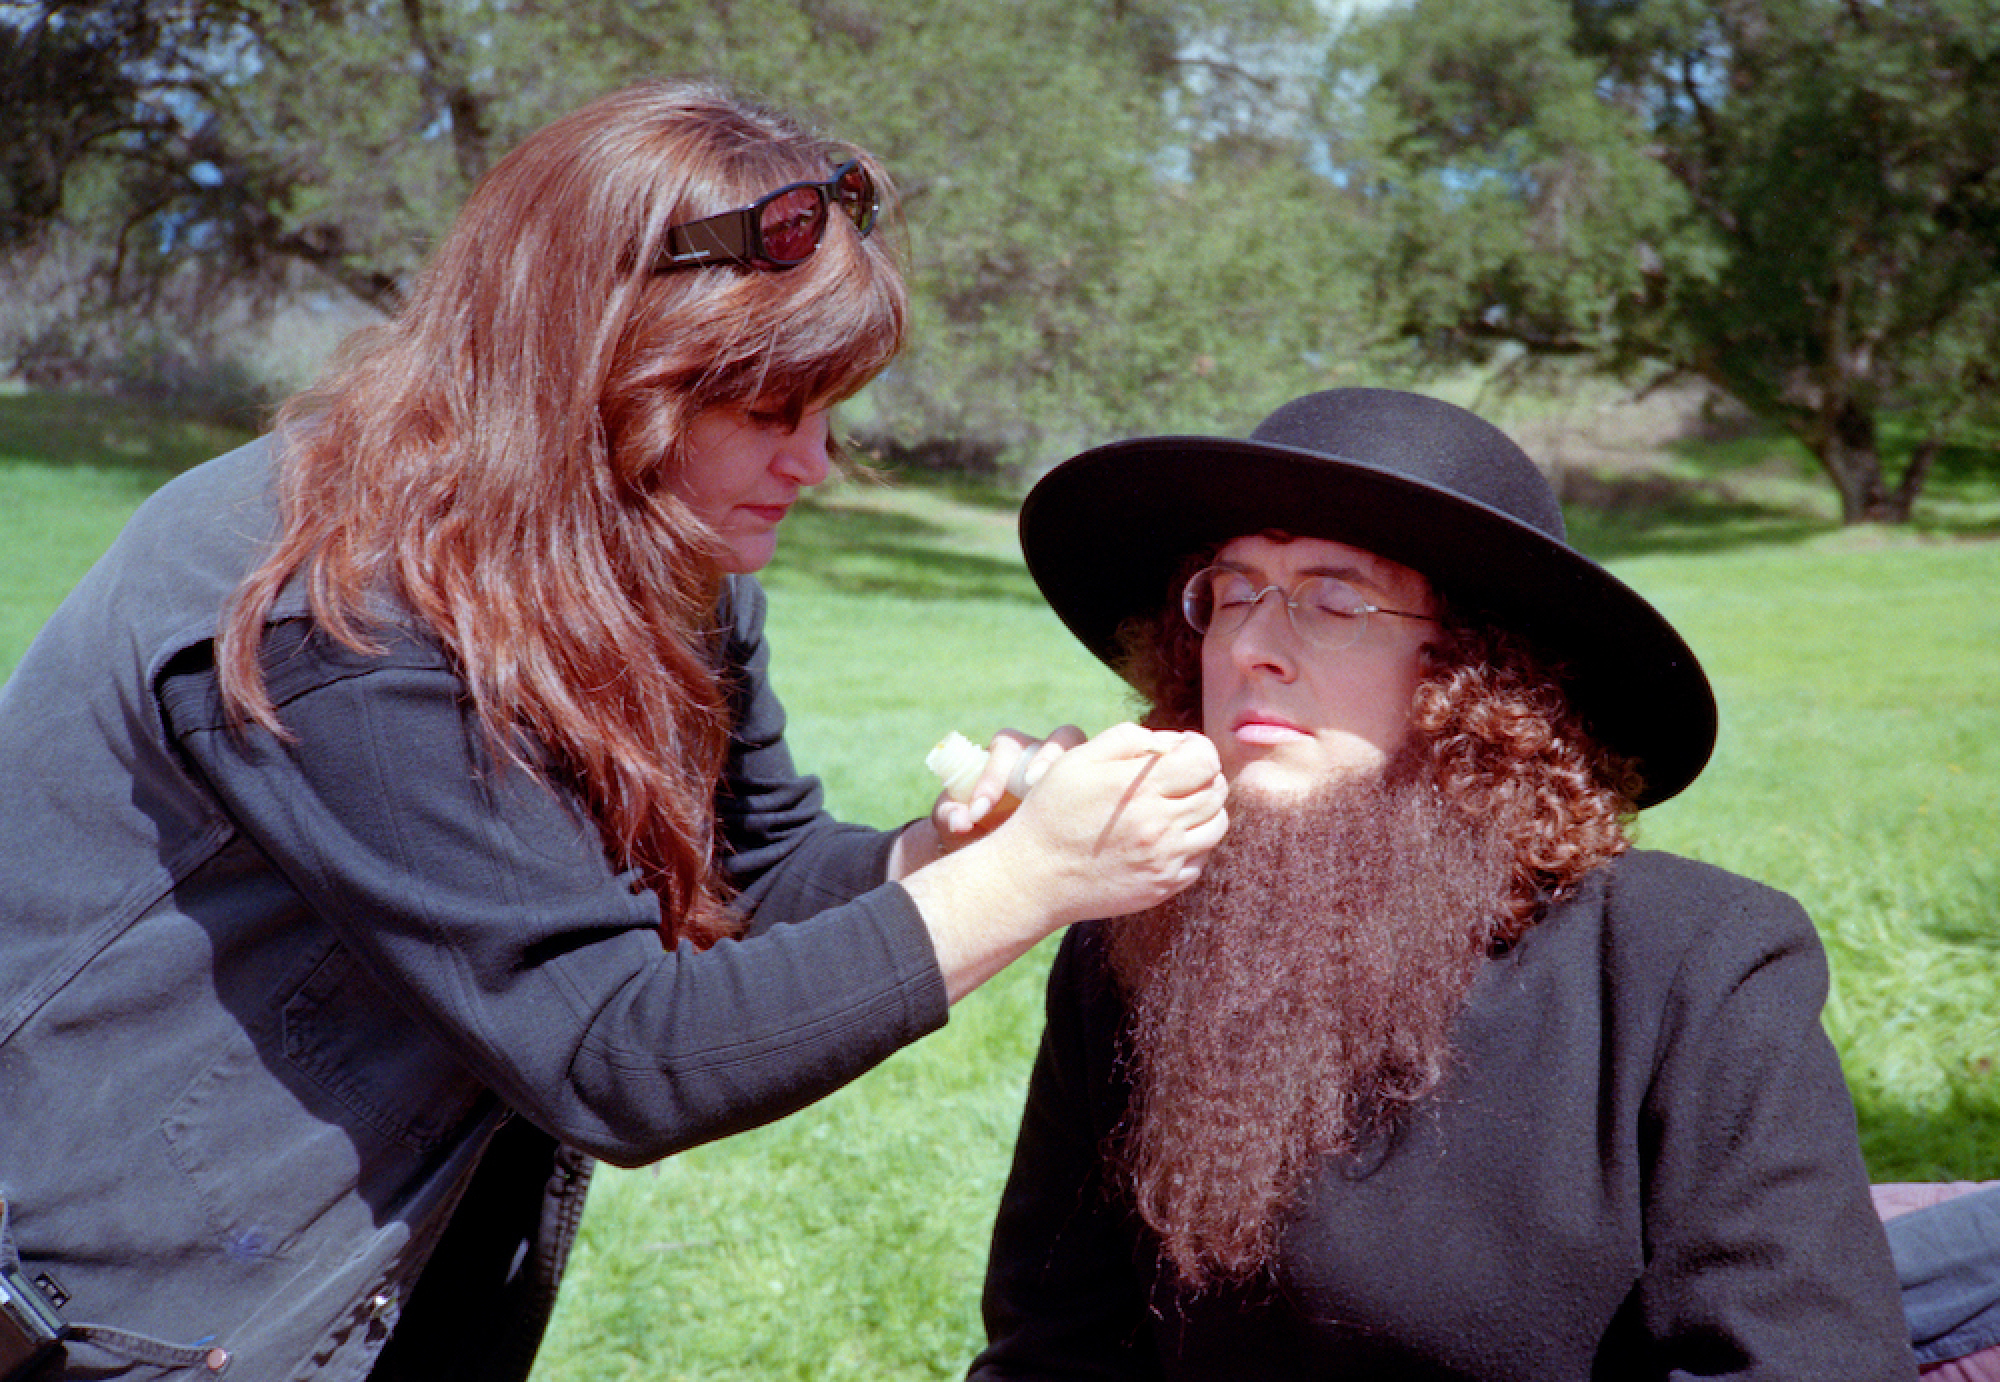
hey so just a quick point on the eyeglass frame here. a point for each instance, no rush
(738, 235)
(1359, 616)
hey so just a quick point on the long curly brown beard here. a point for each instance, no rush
(1294, 1003)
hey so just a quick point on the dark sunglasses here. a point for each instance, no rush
(778, 230)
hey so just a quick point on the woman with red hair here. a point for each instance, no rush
(400, 815)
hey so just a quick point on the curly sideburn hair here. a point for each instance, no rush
(1495, 735)
(496, 460)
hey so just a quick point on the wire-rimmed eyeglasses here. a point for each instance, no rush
(1325, 611)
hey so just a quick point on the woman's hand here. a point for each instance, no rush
(1121, 823)
(1115, 825)
(1015, 762)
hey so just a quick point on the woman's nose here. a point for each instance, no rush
(803, 454)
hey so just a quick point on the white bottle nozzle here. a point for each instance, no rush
(957, 761)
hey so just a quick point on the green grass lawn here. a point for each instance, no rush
(1858, 768)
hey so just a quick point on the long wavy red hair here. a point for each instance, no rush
(1494, 732)
(495, 460)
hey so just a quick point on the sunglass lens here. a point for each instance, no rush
(855, 191)
(790, 225)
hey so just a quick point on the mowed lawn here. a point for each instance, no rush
(1859, 769)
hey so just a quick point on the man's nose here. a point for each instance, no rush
(1267, 638)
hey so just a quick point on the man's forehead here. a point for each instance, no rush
(1289, 554)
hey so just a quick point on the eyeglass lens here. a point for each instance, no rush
(1323, 609)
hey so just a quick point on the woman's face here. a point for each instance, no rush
(745, 470)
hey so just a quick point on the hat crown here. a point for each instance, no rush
(1424, 439)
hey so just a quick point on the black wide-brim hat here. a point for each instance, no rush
(1414, 479)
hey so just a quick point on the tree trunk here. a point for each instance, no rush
(1843, 440)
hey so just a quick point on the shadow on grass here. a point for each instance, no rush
(75, 429)
(1759, 489)
(1715, 492)
(1965, 912)
(863, 550)
(992, 495)
(1611, 517)
(1957, 1140)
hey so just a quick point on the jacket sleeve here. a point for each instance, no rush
(1945, 1238)
(1764, 1258)
(1064, 1298)
(480, 897)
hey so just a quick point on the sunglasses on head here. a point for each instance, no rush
(778, 230)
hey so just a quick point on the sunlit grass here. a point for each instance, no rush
(73, 467)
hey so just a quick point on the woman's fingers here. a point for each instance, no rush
(1015, 762)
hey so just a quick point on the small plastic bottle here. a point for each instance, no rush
(958, 762)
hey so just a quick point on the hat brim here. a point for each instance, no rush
(1105, 532)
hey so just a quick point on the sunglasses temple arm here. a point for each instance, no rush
(710, 241)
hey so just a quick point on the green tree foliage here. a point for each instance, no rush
(1104, 232)
(1126, 214)
(1797, 200)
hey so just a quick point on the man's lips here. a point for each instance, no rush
(1265, 729)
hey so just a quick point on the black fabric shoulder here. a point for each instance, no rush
(1665, 900)
(297, 658)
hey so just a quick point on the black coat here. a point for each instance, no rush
(1643, 1164)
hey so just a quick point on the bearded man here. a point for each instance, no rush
(1431, 1075)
